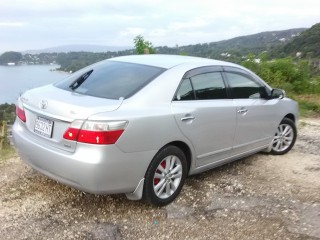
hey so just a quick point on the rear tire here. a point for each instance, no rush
(165, 176)
(284, 138)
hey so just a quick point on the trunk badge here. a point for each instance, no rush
(43, 104)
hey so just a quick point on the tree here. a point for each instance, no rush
(142, 46)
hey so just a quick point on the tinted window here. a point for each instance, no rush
(209, 86)
(244, 87)
(110, 79)
(185, 91)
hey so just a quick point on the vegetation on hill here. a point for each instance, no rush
(236, 48)
(308, 43)
(73, 61)
(10, 57)
(233, 50)
(305, 46)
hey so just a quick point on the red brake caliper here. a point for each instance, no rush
(157, 180)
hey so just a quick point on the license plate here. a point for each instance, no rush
(43, 127)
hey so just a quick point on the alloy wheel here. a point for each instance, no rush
(283, 138)
(167, 177)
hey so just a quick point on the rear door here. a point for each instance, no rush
(205, 114)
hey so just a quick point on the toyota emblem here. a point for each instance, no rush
(43, 104)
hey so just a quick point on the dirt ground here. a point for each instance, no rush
(259, 197)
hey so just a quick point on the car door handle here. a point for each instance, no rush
(187, 118)
(242, 111)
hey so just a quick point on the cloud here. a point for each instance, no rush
(132, 31)
(30, 24)
(12, 24)
(190, 24)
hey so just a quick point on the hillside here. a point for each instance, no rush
(307, 43)
(277, 43)
(234, 49)
(253, 43)
(241, 45)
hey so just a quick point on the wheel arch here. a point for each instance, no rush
(186, 150)
(138, 192)
(290, 116)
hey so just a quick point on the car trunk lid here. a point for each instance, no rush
(49, 112)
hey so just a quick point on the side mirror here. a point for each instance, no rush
(277, 93)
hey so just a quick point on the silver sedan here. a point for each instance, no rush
(140, 125)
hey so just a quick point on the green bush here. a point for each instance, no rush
(7, 113)
(285, 73)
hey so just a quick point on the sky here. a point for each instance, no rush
(38, 24)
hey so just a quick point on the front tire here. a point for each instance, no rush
(284, 138)
(165, 176)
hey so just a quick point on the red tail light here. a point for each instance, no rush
(20, 113)
(95, 132)
(71, 134)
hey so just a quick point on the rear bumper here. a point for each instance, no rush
(91, 168)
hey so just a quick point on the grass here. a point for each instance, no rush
(7, 152)
(309, 104)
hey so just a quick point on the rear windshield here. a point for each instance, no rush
(110, 79)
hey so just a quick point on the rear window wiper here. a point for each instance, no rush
(75, 84)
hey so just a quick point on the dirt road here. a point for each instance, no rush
(260, 197)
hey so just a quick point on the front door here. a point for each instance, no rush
(255, 120)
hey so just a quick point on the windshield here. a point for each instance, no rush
(110, 79)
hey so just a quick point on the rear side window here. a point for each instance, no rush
(110, 79)
(209, 86)
(201, 87)
(185, 91)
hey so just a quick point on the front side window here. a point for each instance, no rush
(244, 87)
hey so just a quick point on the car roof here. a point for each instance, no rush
(168, 61)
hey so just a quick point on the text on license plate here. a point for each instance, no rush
(43, 127)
